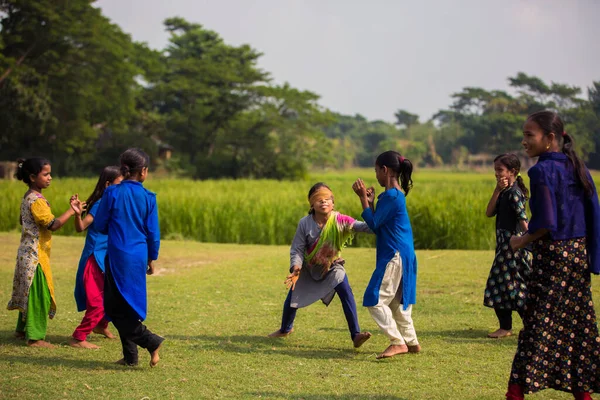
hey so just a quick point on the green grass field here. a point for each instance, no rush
(215, 304)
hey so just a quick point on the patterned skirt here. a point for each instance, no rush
(559, 346)
(506, 285)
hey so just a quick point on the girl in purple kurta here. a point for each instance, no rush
(559, 346)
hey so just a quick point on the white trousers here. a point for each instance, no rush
(394, 322)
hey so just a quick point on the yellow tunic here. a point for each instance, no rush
(34, 250)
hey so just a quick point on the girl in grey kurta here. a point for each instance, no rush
(316, 267)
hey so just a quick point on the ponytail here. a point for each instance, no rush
(522, 186)
(405, 173)
(399, 164)
(580, 169)
(28, 167)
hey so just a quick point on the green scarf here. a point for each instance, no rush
(335, 235)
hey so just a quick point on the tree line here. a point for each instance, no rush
(77, 89)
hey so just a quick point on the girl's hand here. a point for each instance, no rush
(371, 194)
(290, 281)
(150, 269)
(359, 188)
(516, 242)
(76, 204)
(502, 184)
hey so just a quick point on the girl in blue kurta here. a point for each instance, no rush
(128, 213)
(559, 346)
(89, 282)
(391, 292)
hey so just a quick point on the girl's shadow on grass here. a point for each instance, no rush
(243, 344)
(326, 396)
(50, 359)
(469, 335)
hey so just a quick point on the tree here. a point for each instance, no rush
(406, 119)
(68, 76)
(205, 85)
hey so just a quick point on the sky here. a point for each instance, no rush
(373, 58)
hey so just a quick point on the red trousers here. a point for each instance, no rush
(515, 392)
(93, 281)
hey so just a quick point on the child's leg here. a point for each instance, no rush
(38, 306)
(515, 392)
(582, 396)
(133, 333)
(505, 318)
(119, 312)
(344, 291)
(381, 313)
(404, 322)
(130, 351)
(93, 281)
(287, 318)
(20, 324)
(288, 315)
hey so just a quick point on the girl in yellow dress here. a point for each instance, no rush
(33, 290)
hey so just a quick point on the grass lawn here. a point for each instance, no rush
(215, 304)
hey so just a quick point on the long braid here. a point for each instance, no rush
(522, 186)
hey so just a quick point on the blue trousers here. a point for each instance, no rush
(348, 304)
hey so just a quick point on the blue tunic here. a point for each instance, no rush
(391, 224)
(128, 213)
(95, 244)
(559, 204)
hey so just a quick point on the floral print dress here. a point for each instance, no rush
(506, 287)
(34, 251)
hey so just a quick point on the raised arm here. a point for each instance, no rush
(78, 207)
(104, 212)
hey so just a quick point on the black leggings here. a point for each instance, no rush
(505, 317)
(131, 330)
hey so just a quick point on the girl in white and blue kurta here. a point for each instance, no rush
(391, 292)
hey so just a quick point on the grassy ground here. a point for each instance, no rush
(215, 304)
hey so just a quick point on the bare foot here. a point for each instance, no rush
(393, 350)
(154, 358)
(82, 344)
(278, 333)
(414, 348)
(40, 343)
(361, 338)
(500, 333)
(19, 335)
(104, 331)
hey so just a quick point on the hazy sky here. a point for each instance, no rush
(374, 57)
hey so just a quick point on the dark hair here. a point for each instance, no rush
(313, 189)
(511, 161)
(29, 166)
(108, 174)
(400, 165)
(550, 122)
(133, 161)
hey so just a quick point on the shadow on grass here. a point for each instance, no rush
(54, 360)
(361, 396)
(243, 344)
(468, 335)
